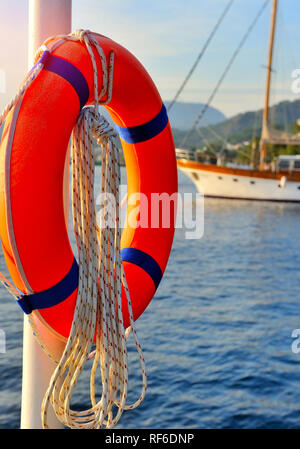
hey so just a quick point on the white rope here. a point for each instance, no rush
(98, 312)
(99, 299)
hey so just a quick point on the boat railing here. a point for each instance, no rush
(196, 156)
(185, 154)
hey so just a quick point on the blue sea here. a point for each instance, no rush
(217, 337)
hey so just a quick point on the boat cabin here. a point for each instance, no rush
(288, 163)
(196, 155)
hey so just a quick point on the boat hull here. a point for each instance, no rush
(223, 182)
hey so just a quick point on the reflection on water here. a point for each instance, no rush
(217, 336)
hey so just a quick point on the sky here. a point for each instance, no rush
(166, 36)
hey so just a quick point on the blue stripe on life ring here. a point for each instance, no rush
(144, 261)
(53, 295)
(70, 73)
(142, 133)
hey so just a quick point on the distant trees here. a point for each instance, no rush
(243, 154)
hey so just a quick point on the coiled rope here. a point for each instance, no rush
(98, 312)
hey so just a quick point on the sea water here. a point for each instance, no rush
(220, 336)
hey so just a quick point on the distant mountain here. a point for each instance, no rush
(242, 126)
(183, 115)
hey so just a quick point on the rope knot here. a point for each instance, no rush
(87, 38)
(81, 34)
(101, 129)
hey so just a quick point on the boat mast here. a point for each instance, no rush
(263, 147)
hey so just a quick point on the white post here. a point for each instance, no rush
(46, 18)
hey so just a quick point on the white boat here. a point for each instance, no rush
(279, 181)
(238, 183)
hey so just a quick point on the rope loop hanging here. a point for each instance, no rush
(99, 305)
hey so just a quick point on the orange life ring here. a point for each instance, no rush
(32, 158)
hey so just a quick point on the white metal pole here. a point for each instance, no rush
(46, 18)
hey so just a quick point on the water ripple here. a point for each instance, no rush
(216, 337)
